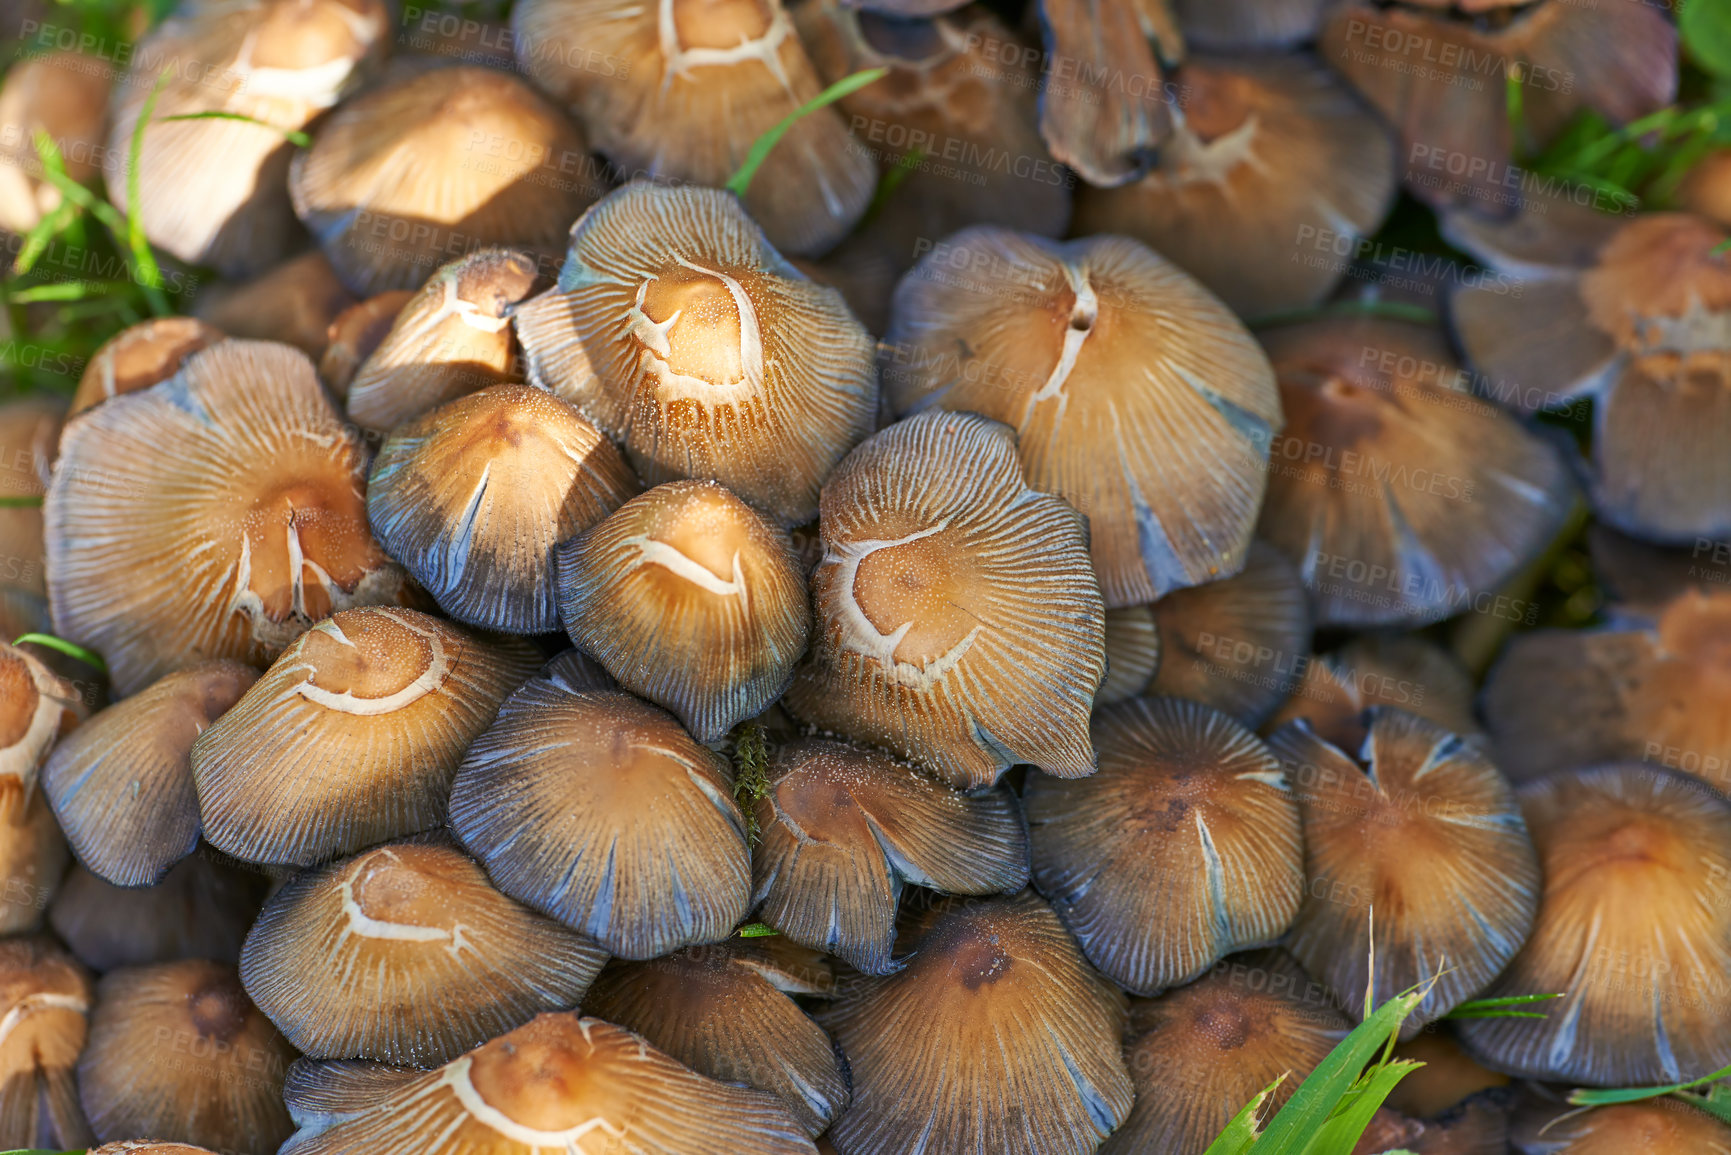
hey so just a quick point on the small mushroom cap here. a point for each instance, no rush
(690, 599)
(1132, 654)
(201, 909)
(1661, 1126)
(473, 497)
(140, 356)
(1706, 190)
(407, 955)
(997, 1036)
(1182, 848)
(352, 736)
(1095, 351)
(1238, 25)
(121, 784)
(37, 708)
(1413, 837)
(844, 828)
(294, 303)
(1403, 670)
(353, 335)
(958, 620)
(435, 161)
(600, 810)
(176, 1050)
(1107, 122)
(1449, 1076)
(64, 94)
(29, 431)
(33, 857)
(559, 1082)
(44, 998)
(678, 330)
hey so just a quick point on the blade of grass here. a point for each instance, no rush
(142, 257)
(757, 930)
(1348, 1123)
(37, 240)
(1240, 1134)
(1500, 1008)
(26, 502)
(1595, 1097)
(67, 291)
(740, 181)
(70, 649)
(293, 135)
(108, 215)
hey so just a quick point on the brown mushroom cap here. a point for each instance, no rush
(149, 1147)
(29, 431)
(353, 335)
(295, 303)
(140, 356)
(1112, 109)
(64, 94)
(1401, 670)
(1239, 25)
(33, 857)
(37, 709)
(44, 998)
(1132, 654)
(1641, 578)
(958, 620)
(1449, 1076)
(1662, 1126)
(201, 909)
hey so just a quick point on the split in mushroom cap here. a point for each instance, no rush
(685, 90)
(201, 909)
(407, 955)
(1402, 499)
(121, 784)
(29, 431)
(558, 1083)
(713, 1012)
(213, 191)
(1413, 837)
(240, 454)
(1403, 670)
(37, 709)
(1112, 109)
(64, 94)
(997, 1036)
(436, 161)
(354, 333)
(843, 828)
(177, 1051)
(1135, 395)
(140, 356)
(1182, 848)
(1198, 1054)
(959, 623)
(690, 599)
(1265, 152)
(294, 303)
(1241, 25)
(678, 330)
(473, 497)
(44, 998)
(1661, 1126)
(352, 736)
(1132, 654)
(600, 810)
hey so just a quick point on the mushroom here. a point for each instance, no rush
(844, 828)
(149, 1147)
(1401, 670)
(473, 496)
(240, 453)
(353, 335)
(1135, 395)
(434, 163)
(201, 909)
(1402, 499)
(689, 599)
(1658, 1126)
(1132, 654)
(1416, 854)
(1640, 578)
(1269, 156)
(37, 709)
(678, 330)
(958, 620)
(63, 94)
(601, 811)
(1249, 25)
(29, 431)
(996, 1036)
(44, 998)
(1448, 1078)
(121, 784)
(295, 303)
(559, 1082)
(33, 858)
(138, 357)
(681, 91)
(1183, 848)
(352, 736)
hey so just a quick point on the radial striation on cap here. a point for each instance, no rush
(202, 908)
(45, 1000)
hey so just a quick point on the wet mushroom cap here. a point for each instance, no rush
(294, 303)
(63, 94)
(353, 335)
(202, 908)
(140, 356)
(45, 997)
(691, 599)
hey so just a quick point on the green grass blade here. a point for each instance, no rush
(750, 774)
(1240, 1134)
(149, 274)
(27, 502)
(1500, 1008)
(293, 135)
(36, 241)
(102, 211)
(757, 930)
(740, 181)
(1585, 1097)
(66, 291)
(70, 649)
(1344, 1128)
(1705, 28)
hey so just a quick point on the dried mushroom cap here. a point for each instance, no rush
(354, 333)
(1414, 843)
(1239, 25)
(1132, 654)
(407, 955)
(678, 330)
(686, 89)
(600, 810)
(1135, 395)
(1401, 670)
(721, 1018)
(1107, 122)
(1198, 1054)
(959, 623)
(352, 736)
(214, 191)
(1660, 1126)
(29, 430)
(844, 828)
(140, 356)
(121, 784)
(474, 496)
(433, 163)
(690, 599)
(1266, 152)
(201, 909)
(1401, 498)
(37, 709)
(64, 94)
(177, 1050)
(997, 1036)
(1183, 848)
(450, 338)
(294, 303)
(45, 997)
(240, 452)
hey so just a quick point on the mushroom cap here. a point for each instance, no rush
(1661, 1126)
(1413, 837)
(149, 1147)
(33, 857)
(352, 736)
(435, 162)
(1132, 654)
(241, 453)
(201, 909)
(1135, 395)
(1183, 848)
(407, 955)
(678, 330)
(1238, 25)
(1706, 190)
(648, 83)
(473, 497)
(559, 1082)
(294, 302)
(121, 784)
(1640, 578)
(1113, 107)
(997, 1036)
(138, 357)
(690, 599)
(601, 811)
(29, 431)
(958, 620)
(44, 998)
(37, 708)
(1403, 670)
(844, 828)
(354, 334)
(64, 94)
(1449, 1076)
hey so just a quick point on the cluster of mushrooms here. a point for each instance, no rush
(1005, 591)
